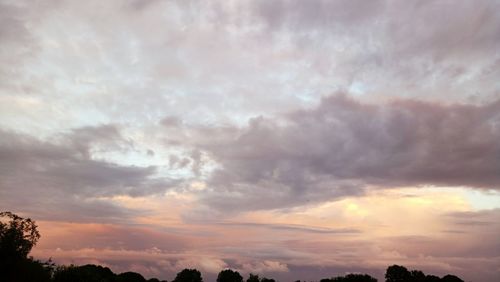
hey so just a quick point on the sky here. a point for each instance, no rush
(293, 139)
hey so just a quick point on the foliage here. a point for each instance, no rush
(253, 278)
(95, 273)
(130, 277)
(17, 236)
(351, 278)
(188, 275)
(229, 275)
(83, 273)
(432, 278)
(451, 278)
(397, 273)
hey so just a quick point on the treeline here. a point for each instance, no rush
(18, 236)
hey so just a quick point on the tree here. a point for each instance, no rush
(417, 276)
(17, 236)
(264, 279)
(432, 278)
(229, 275)
(253, 278)
(84, 273)
(359, 278)
(188, 275)
(130, 277)
(451, 278)
(397, 273)
(351, 278)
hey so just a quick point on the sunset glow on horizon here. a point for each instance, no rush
(292, 139)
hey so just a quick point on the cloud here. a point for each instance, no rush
(266, 266)
(50, 177)
(177, 81)
(292, 228)
(344, 146)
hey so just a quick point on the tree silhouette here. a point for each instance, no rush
(229, 275)
(253, 278)
(130, 277)
(188, 275)
(451, 278)
(351, 278)
(264, 279)
(155, 280)
(17, 236)
(84, 273)
(397, 273)
(432, 278)
(417, 276)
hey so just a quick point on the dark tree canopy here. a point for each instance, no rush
(84, 273)
(253, 278)
(188, 275)
(432, 278)
(130, 277)
(17, 235)
(229, 275)
(451, 278)
(417, 276)
(397, 273)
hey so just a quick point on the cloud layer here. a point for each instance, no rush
(344, 146)
(293, 138)
(49, 178)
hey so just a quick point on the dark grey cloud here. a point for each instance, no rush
(343, 146)
(61, 175)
